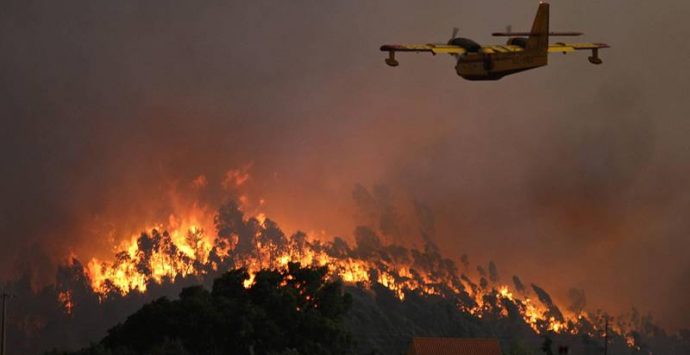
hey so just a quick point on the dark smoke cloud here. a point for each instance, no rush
(105, 106)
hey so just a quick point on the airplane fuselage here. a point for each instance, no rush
(492, 64)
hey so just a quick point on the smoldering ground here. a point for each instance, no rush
(572, 175)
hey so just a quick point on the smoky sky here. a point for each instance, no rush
(571, 176)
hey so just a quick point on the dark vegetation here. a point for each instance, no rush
(299, 311)
(222, 317)
(383, 324)
(296, 311)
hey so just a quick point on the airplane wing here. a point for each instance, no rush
(571, 47)
(431, 48)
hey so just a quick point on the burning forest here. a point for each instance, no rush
(547, 207)
(398, 291)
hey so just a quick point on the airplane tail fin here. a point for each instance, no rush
(539, 36)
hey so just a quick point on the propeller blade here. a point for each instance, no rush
(455, 33)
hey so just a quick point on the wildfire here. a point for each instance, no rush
(152, 257)
(183, 248)
(198, 243)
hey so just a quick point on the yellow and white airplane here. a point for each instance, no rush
(493, 62)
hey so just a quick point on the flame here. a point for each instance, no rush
(65, 298)
(187, 248)
(235, 178)
(171, 254)
(187, 244)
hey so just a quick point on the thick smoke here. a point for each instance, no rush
(106, 107)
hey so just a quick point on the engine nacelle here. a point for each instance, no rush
(517, 41)
(467, 44)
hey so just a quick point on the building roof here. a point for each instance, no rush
(454, 346)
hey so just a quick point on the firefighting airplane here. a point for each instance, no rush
(476, 62)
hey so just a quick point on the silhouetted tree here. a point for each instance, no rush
(546, 345)
(292, 311)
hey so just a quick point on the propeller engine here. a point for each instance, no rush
(469, 45)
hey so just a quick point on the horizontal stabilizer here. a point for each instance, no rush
(517, 34)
